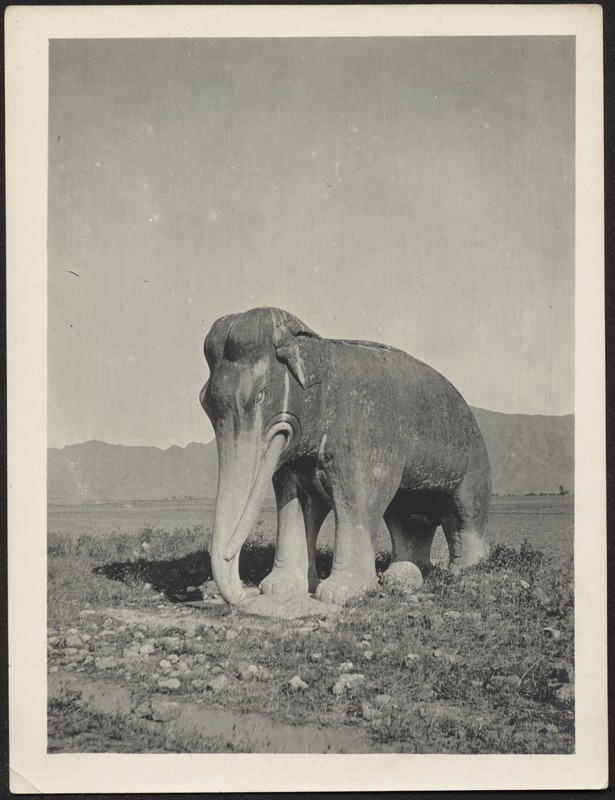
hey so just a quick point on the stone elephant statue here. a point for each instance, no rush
(355, 427)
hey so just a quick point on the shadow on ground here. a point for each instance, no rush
(174, 576)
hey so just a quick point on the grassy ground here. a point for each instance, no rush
(477, 663)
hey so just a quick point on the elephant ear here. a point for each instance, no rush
(216, 338)
(289, 339)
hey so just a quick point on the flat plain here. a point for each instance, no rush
(475, 663)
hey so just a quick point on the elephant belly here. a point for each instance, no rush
(429, 507)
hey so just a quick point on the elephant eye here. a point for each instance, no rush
(259, 397)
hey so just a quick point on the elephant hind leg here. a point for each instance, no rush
(411, 538)
(465, 524)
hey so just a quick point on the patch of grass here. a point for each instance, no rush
(472, 663)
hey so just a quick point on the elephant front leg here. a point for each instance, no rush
(353, 571)
(290, 567)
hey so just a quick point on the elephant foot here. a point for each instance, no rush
(342, 585)
(283, 580)
(474, 547)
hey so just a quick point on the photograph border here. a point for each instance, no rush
(33, 770)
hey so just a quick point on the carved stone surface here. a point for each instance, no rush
(403, 575)
(289, 606)
(356, 427)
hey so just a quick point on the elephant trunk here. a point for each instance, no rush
(242, 486)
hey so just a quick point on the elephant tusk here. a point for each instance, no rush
(278, 443)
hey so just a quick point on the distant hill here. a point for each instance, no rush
(527, 454)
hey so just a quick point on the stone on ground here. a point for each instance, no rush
(217, 684)
(297, 684)
(403, 575)
(347, 682)
(169, 683)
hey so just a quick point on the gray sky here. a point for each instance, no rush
(418, 192)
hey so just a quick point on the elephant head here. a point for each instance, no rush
(260, 374)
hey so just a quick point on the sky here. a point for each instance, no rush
(412, 191)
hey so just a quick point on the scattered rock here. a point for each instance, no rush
(106, 633)
(85, 638)
(263, 674)
(411, 659)
(297, 684)
(231, 634)
(217, 684)
(73, 641)
(327, 625)
(87, 612)
(131, 655)
(305, 630)
(77, 655)
(216, 670)
(369, 712)
(383, 700)
(105, 662)
(165, 665)
(505, 680)
(173, 658)
(315, 657)
(549, 728)
(473, 615)
(552, 633)
(452, 615)
(438, 653)
(346, 666)
(368, 655)
(347, 682)
(53, 670)
(53, 641)
(147, 649)
(169, 683)
(198, 684)
(72, 632)
(524, 585)
(247, 671)
(565, 694)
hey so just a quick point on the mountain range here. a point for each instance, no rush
(528, 453)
